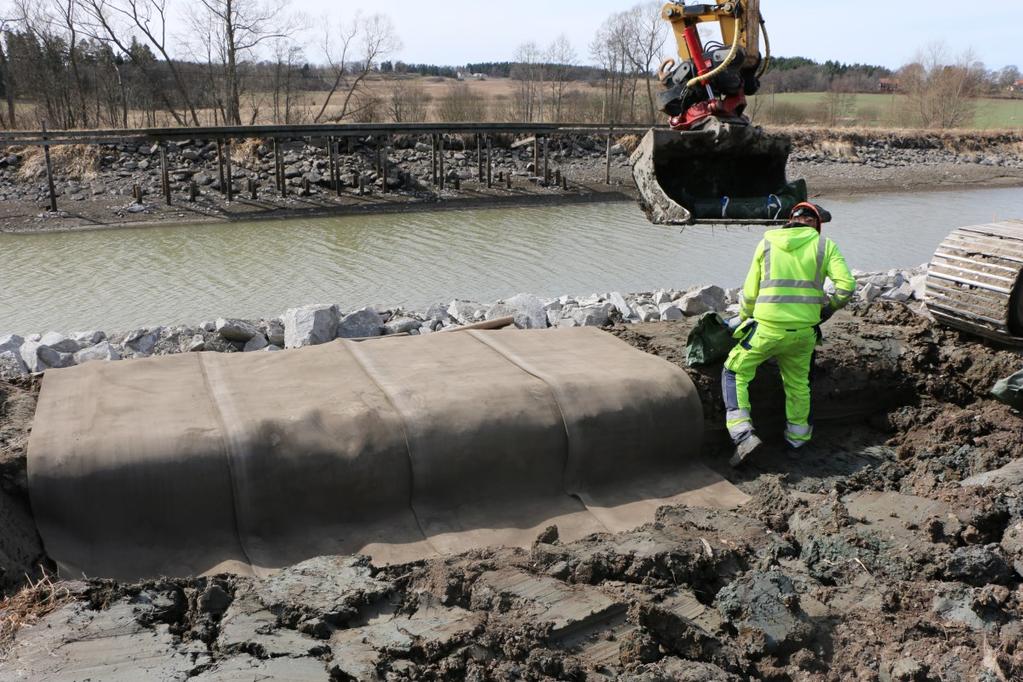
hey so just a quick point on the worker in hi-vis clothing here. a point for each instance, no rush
(782, 307)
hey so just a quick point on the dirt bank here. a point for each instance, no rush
(876, 554)
(95, 185)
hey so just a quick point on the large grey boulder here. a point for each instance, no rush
(670, 311)
(142, 342)
(239, 331)
(11, 364)
(102, 351)
(528, 310)
(586, 316)
(402, 325)
(54, 359)
(310, 325)
(869, 293)
(29, 352)
(274, 330)
(10, 343)
(648, 312)
(361, 324)
(464, 312)
(703, 300)
(622, 306)
(257, 342)
(59, 343)
(901, 293)
(89, 338)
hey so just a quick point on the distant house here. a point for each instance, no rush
(888, 85)
(463, 76)
(1017, 86)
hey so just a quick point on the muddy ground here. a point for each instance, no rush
(883, 552)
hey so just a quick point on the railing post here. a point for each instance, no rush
(165, 173)
(227, 168)
(440, 155)
(49, 173)
(479, 157)
(433, 157)
(490, 163)
(546, 162)
(607, 178)
(383, 162)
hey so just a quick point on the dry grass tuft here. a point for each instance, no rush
(839, 149)
(243, 151)
(26, 607)
(76, 161)
(629, 143)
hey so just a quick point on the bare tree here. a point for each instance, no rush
(529, 72)
(286, 56)
(408, 101)
(644, 35)
(116, 20)
(940, 90)
(352, 52)
(609, 50)
(1008, 77)
(462, 105)
(839, 101)
(6, 81)
(560, 58)
(234, 29)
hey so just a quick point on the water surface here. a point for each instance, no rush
(126, 278)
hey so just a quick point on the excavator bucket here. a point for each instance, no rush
(721, 174)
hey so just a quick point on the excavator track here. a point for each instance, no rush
(975, 281)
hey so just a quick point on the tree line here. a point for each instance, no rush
(129, 63)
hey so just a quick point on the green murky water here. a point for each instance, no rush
(121, 279)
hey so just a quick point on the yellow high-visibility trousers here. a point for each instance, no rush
(793, 351)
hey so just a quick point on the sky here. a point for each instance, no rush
(456, 32)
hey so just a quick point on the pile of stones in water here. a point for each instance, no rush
(117, 169)
(316, 324)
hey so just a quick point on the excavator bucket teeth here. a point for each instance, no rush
(723, 173)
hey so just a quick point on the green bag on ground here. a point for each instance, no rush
(1010, 391)
(710, 342)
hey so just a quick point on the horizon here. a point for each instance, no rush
(429, 37)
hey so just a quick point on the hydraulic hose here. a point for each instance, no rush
(767, 49)
(700, 80)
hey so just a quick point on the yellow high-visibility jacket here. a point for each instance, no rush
(785, 284)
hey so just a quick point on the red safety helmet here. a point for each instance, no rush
(808, 210)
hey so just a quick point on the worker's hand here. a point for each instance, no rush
(826, 313)
(733, 323)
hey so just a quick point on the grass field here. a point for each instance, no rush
(584, 104)
(880, 110)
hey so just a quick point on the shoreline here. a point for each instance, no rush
(314, 324)
(824, 190)
(95, 186)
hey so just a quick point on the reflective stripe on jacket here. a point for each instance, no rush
(785, 284)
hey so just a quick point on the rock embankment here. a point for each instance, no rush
(316, 324)
(111, 174)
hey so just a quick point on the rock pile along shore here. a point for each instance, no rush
(316, 324)
(85, 172)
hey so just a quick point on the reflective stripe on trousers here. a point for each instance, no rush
(798, 435)
(738, 420)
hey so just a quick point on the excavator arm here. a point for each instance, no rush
(711, 165)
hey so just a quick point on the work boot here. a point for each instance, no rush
(744, 450)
